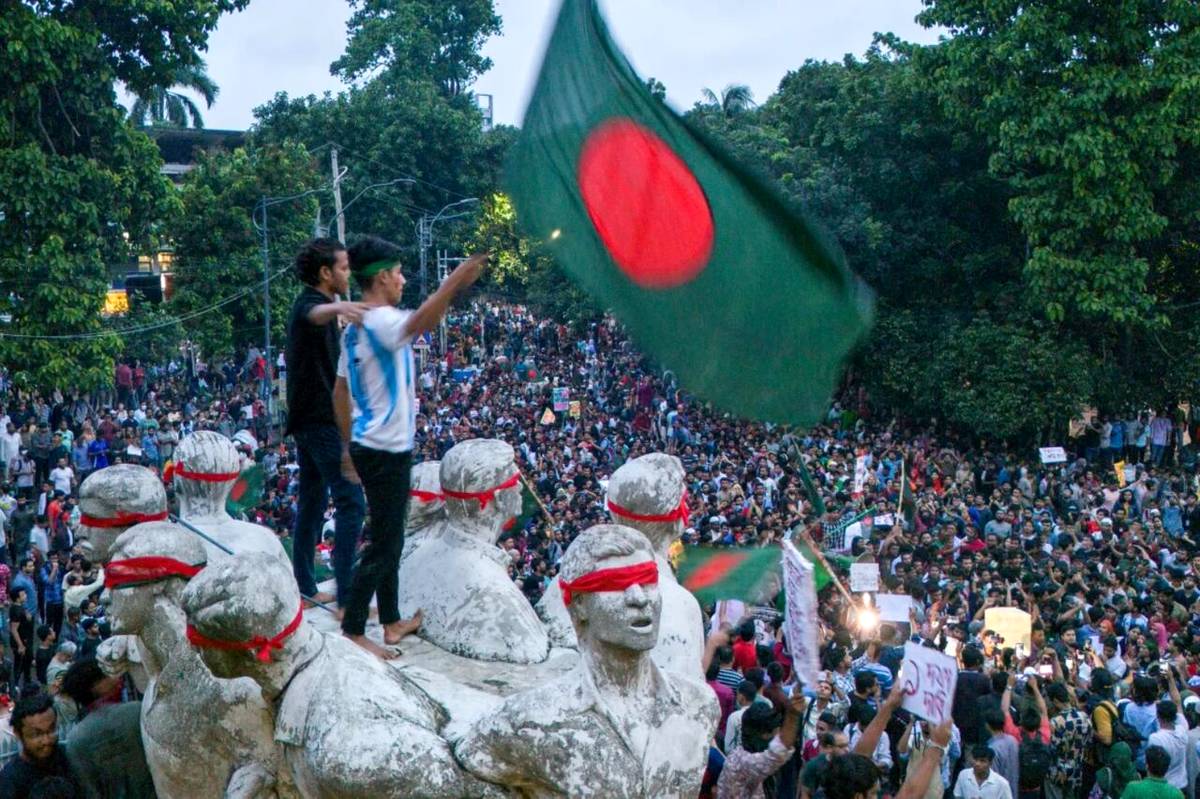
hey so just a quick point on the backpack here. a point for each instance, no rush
(1033, 758)
(1121, 730)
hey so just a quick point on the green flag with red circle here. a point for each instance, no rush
(713, 274)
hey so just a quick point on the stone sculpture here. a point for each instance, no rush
(616, 725)
(203, 737)
(348, 724)
(206, 466)
(458, 577)
(114, 499)
(648, 494)
(426, 505)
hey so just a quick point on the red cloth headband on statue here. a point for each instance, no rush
(679, 514)
(136, 571)
(484, 497)
(425, 496)
(121, 519)
(615, 579)
(260, 646)
(180, 470)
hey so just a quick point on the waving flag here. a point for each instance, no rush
(712, 273)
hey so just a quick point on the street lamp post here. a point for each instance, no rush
(425, 237)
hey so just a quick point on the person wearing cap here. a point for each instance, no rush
(374, 401)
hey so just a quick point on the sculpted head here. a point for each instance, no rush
(481, 472)
(210, 454)
(425, 503)
(652, 485)
(625, 617)
(113, 499)
(148, 561)
(237, 601)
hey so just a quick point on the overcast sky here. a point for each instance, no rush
(288, 45)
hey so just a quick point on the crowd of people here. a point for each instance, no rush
(1102, 550)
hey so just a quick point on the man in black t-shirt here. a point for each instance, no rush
(311, 361)
(35, 725)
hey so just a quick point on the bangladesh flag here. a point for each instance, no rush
(752, 574)
(247, 491)
(707, 267)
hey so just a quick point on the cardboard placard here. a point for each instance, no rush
(864, 577)
(1052, 454)
(929, 678)
(893, 607)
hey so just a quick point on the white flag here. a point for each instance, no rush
(801, 622)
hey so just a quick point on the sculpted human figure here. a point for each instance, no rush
(206, 466)
(203, 737)
(348, 725)
(459, 577)
(426, 505)
(113, 499)
(616, 725)
(649, 495)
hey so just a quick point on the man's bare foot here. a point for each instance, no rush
(381, 652)
(394, 633)
(340, 614)
(324, 597)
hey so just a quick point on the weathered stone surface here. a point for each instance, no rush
(424, 512)
(652, 485)
(198, 731)
(116, 491)
(458, 577)
(348, 725)
(616, 725)
(202, 502)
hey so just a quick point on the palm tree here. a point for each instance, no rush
(736, 98)
(161, 106)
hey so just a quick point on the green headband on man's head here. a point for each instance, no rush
(374, 268)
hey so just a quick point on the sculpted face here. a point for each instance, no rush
(509, 500)
(129, 607)
(101, 540)
(628, 619)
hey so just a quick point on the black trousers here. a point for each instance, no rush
(386, 479)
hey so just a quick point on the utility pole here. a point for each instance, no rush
(424, 240)
(267, 311)
(337, 196)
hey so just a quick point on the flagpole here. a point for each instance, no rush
(538, 500)
(194, 529)
(825, 563)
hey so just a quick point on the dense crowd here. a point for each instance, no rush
(1101, 550)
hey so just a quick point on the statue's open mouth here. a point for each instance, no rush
(642, 624)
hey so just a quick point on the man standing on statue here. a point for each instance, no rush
(311, 357)
(375, 403)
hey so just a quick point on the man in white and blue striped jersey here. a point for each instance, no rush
(374, 400)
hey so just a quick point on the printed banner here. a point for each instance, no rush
(801, 622)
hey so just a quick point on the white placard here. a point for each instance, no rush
(1052, 454)
(929, 678)
(801, 621)
(884, 520)
(861, 469)
(893, 607)
(864, 576)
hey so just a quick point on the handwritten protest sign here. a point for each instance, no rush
(929, 678)
(864, 576)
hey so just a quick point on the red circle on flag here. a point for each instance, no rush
(646, 205)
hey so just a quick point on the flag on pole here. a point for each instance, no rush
(801, 622)
(750, 574)
(701, 261)
(247, 491)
